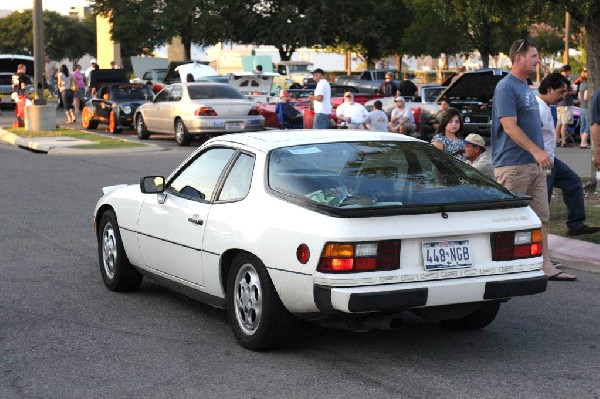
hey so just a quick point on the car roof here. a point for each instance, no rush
(271, 139)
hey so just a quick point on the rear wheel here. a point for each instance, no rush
(256, 315)
(475, 320)
(113, 125)
(140, 128)
(182, 136)
(117, 273)
(86, 119)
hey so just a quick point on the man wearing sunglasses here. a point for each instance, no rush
(518, 151)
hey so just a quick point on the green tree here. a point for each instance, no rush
(285, 24)
(432, 32)
(372, 29)
(64, 37)
(488, 26)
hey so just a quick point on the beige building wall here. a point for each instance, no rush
(107, 50)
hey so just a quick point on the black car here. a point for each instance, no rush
(115, 105)
(473, 93)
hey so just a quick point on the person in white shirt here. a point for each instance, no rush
(552, 90)
(350, 113)
(401, 120)
(476, 156)
(376, 119)
(322, 100)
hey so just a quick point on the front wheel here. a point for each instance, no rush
(117, 273)
(86, 119)
(475, 320)
(256, 315)
(113, 125)
(182, 136)
(140, 128)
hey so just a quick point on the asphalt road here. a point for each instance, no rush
(64, 335)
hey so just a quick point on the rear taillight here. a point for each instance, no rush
(509, 245)
(360, 257)
(205, 111)
(254, 111)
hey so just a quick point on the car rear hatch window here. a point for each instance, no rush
(398, 177)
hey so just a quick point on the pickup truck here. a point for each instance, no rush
(369, 80)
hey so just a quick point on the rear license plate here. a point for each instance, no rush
(233, 126)
(446, 254)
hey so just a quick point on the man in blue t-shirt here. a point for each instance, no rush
(517, 143)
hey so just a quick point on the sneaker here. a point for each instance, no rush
(584, 229)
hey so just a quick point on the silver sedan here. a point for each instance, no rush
(193, 109)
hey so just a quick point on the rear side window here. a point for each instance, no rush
(237, 183)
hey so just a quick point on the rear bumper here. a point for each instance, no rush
(223, 125)
(400, 297)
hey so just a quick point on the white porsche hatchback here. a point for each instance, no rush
(350, 228)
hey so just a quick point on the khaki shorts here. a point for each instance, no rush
(564, 115)
(528, 179)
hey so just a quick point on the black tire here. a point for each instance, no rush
(182, 136)
(256, 315)
(117, 273)
(141, 129)
(476, 320)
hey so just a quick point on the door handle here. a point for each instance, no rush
(196, 220)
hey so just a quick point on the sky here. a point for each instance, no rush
(60, 6)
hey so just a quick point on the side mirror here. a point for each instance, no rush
(152, 184)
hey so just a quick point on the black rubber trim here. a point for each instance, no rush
(519, 287)
(394, 301)
(388, 301)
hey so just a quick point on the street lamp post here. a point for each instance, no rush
(39, 116)
(38, 52)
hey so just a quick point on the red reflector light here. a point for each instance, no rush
(522, 251)
(364, 264)
(302, 253)
(205, 111)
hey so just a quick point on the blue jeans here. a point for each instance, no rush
(584, 120)
(321, 121)
(569, 182)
